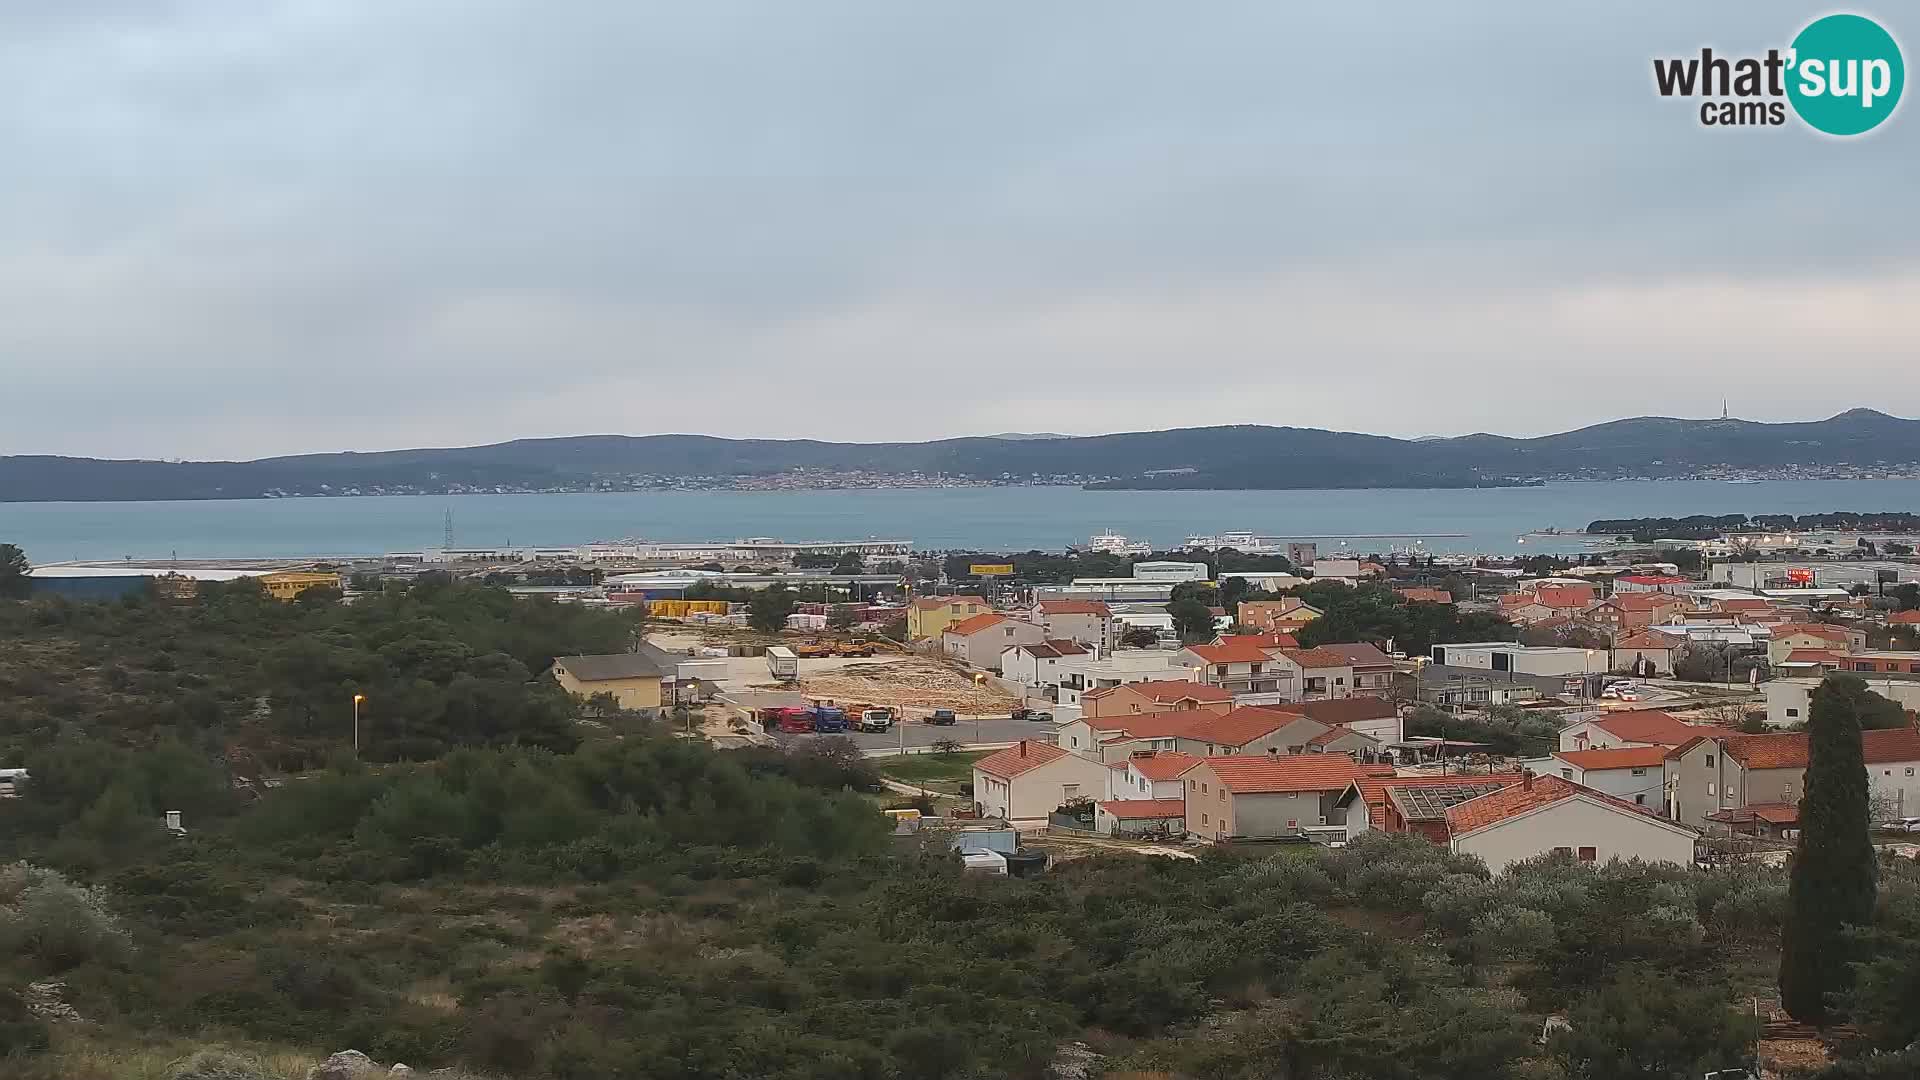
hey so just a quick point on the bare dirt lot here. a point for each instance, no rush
(905, 684)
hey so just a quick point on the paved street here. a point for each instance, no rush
(987, 730)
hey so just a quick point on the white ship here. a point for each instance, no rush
(1244, 542)
(1112, 543)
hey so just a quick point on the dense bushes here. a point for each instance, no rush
(55, 923)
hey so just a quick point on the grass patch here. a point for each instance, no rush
(930, 770)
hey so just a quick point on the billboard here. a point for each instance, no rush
(1886, 577)
(1800, 575)
(991, 569)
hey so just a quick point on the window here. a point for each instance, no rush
(1909, 770)
(1293, 823)
(1709, 765)
(1223, 794)
(1588, 854)
(1563, 851)
(1793, 712)
(1203, 789)
(1566, 774)
(1640, 799)
(1639, 772)
(1276, 750)
(1069, 790)
(1203, 820)
(1710, 790)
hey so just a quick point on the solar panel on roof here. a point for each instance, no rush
(1430, 803)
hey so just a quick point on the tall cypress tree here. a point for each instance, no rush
(1834, 877)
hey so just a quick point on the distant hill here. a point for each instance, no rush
(1244, 456)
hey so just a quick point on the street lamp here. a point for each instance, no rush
(357, 699)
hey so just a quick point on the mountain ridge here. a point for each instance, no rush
(1242, 456)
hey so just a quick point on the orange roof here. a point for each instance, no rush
(1291, 772)
(1160, 764)
(1241, 726)
(1812, 656)
(1651, 726)
(1773, 813)
(1516, 799)
(1161, 691)
(1146, 808)
(1240, 652)
(976, 623)
(1074, 607)
(1788, 750)
(1335, 734)
(1648, 639)
(1565, 596)
(1643, 601)
(1904, 617)
(1022, 758)
(1626, 757)
(1425, 596)
(1315, 658)
(1744, 604)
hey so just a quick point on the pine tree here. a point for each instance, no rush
(1834, 877)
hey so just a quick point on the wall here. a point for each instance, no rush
(641, 693)
(1577, 823)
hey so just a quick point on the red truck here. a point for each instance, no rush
(794, 720)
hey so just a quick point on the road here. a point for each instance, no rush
(987, 730)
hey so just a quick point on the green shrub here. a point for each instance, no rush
(218, 1065)
(62, 925)
(21, 1032)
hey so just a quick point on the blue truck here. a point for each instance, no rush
(827, 719)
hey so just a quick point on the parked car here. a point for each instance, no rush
(943, 717)
(1036, 715)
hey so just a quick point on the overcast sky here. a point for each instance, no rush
(248, 228)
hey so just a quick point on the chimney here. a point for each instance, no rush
(1526, 779)
(1023, 748)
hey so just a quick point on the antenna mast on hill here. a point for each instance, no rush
(446, 539)
(1723, 410)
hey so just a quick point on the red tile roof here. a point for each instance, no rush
(1626, 757)
(1754, 604)
(1359, 654)
(1649, 639)
(1904, 618)
(975, 624)
(1644, 601)
(1241, 726)
(1074, 607)
(1651, 726)
(1516, 799)
(1136, 809)
(1812, 656)
(1161, 764)
(1565, 596)
(1292, 772)
(1335, 734)
(1824, 631)
(1161, 691)
(1024, 757)
(1425, 596)
(1315, 658)
(1771, 813)
(1788, 750)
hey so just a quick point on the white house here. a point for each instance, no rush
(1631, 727)
(1635, 774)
(1089, 622)
(1149, 774)
(1038, 664)
(1543, 814)
(1028, 780)
(1788, 700)
(979, 641)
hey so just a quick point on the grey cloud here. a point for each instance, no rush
(246, 228)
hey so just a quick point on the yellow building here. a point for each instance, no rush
(634, 679)
(929, 616)
(288, 584)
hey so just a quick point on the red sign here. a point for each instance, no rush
(1800, 575)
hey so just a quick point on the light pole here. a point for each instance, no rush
(357, 699)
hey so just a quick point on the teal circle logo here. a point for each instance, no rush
(1845, 75)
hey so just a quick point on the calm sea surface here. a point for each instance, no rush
(1489, 520)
